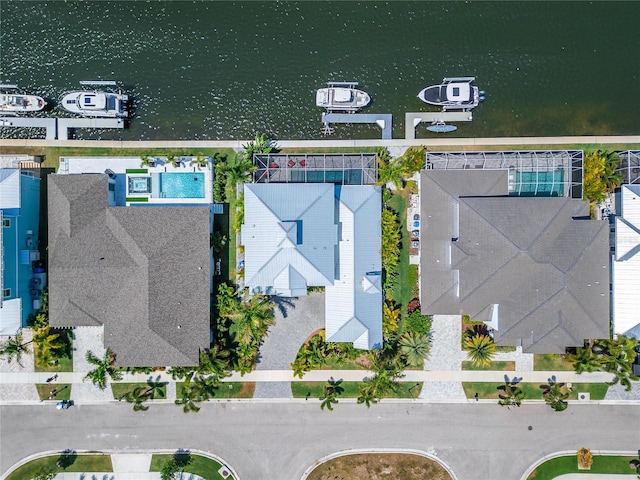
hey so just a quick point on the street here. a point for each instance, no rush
(280, 440)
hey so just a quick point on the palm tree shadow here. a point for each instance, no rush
(282, 304)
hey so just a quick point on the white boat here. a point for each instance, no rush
(13, 102)
(454, 93)
(95, 103)
(342, 97)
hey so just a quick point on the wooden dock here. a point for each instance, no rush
(58, 128)
(413, 119)
(383, 120)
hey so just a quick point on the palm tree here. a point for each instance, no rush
(510, 395)
(610, 178)
(214, 362)
(48, 346)
(104, 369)
(172, 160)
(188, 398)
(14, 348)
(413, 160)
(390, 171)
(145, 161)
(199, 161)
(367, 394)
(330, 393)
(415, 347)
(260, 144)
(238, 169)
(585, 360)
(138, 396)
(621, 354)
(480, 349)
(555, 395)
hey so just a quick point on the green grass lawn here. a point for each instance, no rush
(60, 391)
(121, 389)
(351, 389)
(551, 362)
(237, 390)
(203, 466)
(82, 463)
(506, 366)
(533, 390)
(601, 464)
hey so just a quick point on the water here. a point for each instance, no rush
(223, 70)
(182, 185)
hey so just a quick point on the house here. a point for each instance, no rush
(626, 264)
(301, 235)
(534, 269)
(140, 272)
(20, 283)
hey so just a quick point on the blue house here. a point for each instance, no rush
(20, 287)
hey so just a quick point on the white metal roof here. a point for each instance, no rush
(353, 311)
(288, 225)
(626, 267)
(9, 188)
(290, 233)
(10, 316)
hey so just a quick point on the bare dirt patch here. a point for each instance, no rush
(373, 466)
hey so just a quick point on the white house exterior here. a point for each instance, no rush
(305, 235)
(626, 264)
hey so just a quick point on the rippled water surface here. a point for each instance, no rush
(222, 70)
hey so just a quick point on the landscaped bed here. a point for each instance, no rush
(533, 390)
(497, 366)
(569, 464)
(227, 390)
(76, 463)
(380, 466)
(202, 466)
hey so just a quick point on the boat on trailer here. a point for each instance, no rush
(454, 93)
(13, 102)
(342, 97)
(96, 103)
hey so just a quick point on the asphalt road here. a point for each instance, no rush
(280, 440)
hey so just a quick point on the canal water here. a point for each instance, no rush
(221, 70)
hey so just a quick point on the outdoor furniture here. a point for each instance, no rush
(302, 163)
(274, 165)
(291, 163)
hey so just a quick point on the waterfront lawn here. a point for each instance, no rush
(60, 391)
(604, 464)
(119, 390)
(351, 389)
(551, 362)
(237, 390)
(497, 366)
(202, 466)
(52, 154)
(81, 463)
(533, 391)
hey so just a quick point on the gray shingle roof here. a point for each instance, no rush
(538, 259)
(142, 272)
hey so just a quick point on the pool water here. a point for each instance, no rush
(182, 185)
(539, 184)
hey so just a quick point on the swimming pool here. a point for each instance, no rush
(182, 185)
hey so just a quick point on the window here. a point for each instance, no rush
(6, 293)
(6, 222)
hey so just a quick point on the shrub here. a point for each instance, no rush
(416, 322)
(413, 306)
(585, 459)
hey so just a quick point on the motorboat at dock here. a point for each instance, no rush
(96, 103)
(342, 97)
(454, 93)
(13, 102)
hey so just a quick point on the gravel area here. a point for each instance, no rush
(273, 390)
(524, 361)
(442, 391)
(296, 319)
(85, 339)
(26, 361)
(446, 353)
(617, 392)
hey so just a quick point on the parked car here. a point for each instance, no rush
(64, 404)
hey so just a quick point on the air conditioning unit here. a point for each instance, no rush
(584, 396)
